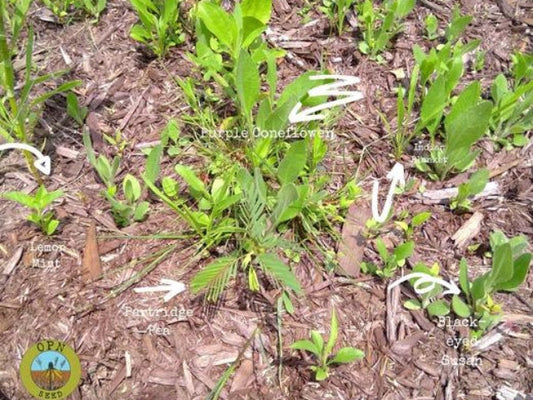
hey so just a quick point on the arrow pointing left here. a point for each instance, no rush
(167, 285)
(42, 163)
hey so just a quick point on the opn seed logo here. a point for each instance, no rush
(50, 369)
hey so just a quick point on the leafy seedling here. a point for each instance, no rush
(409, 227)
(38, 203)
(336, 11)
(323, 352)
(74, 110)
(475, 185)
(391, 261)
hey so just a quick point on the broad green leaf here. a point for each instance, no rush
(21, 198)
(318, 340)
(141, 210)
(478, 289)
(259, 10)
(478, 180)
(153, 167)
(502, 265)
(131, 188)
(287, 196)
(382, 249)
(404, 250)
(463, 277)
(521, 267)
(219, 22)
(420, 218)
(438, 308)
(306, 345)
(170, 186)
(460, 308)
(434, 103)
(321, 374)
(247, 82)
(293, 163)
(412, 304)
(347, 355)
(188, 175)
(51, 227)
(279, 271)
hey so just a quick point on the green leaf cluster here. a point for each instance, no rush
(391, 261)
(336, 11)
(38, 203)
(323, 352)
(159, 25)
(475, 185)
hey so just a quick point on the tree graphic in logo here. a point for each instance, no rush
(50, 370)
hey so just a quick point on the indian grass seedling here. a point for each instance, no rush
(323, 352)
(336, 11)
(74, 110)
(475, 185)
(39, 204)
(159, 26)
(391, 261)
(381, 24)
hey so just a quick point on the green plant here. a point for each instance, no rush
(512, 115)
(416, 221)
(159, 25)
(60, 8)
(92, 7)
(132, 208)
(323, 352)
(465, 123)
(74, 110)
(20, 107)
(381, 25)
(431, 24)
(475, 185)
(510, 266)
(38, 203)
(391, 261)
(336, 11)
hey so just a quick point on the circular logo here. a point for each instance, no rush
(50, 369)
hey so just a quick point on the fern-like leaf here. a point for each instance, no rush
(279, 271)
(215, 277)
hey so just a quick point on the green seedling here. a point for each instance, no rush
(107, 171)
(92, 7)
(475, 185)
(336, 11)
(417, 220)
(512, 115)
(391, 261)
(60, 8)
(381, 25)
(323, 352)
(38, 203)
(465, 123)
(74, 110)
(131, 208)
(159, 25)
(432, 27)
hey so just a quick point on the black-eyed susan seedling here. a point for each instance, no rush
(40, 204)
(391, 261)
(408, 227)
(323, 352)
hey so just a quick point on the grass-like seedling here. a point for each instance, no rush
(74, 110)
(323, 352)
(39, 204)
(159, 24)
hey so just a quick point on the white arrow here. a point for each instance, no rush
(168, 285)
(42, 163)
(328, 89)
(424, 279)
(396, 175)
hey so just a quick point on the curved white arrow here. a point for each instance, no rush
(328, 89)
(396, 175)
(42, 163)
(424, 279)
(168, 285)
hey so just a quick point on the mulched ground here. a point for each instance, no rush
(127, 91)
